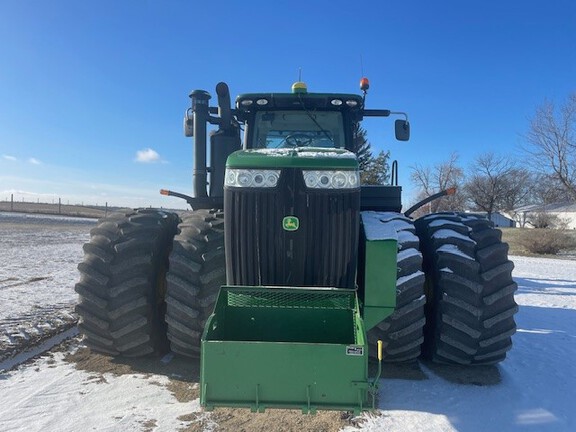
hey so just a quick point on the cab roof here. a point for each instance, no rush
(249, 102)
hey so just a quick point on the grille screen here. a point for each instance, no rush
(292, 299)
(322, 251)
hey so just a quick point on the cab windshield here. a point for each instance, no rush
(289, 129)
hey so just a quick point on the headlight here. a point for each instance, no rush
(252, 178)
(332, 179)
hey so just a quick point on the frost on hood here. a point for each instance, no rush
(308, 152)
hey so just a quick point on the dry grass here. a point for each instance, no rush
(528, 242)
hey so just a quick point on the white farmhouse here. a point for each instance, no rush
(565, 212)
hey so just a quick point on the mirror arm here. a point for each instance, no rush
(400, 113)
(383, 113)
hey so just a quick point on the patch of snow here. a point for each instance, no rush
(405, 237)
(538, 377)
(448, 233)
(437, 215)
(37, 275)
(446, 270)
(27, 354)
(51, 395)
(453, 249)
(270, 151)
(375, 229)
(27, 218)
(445, 222)
(308, 152)
(399, 223)
(388, 216)
(408, 253)
(403, 279)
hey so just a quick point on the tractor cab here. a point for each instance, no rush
(298, 119)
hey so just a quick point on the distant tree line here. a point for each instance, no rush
(545, 173)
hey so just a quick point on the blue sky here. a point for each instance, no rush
(86, 86)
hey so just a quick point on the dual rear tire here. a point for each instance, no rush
(469, 288)
(148, 280)
(122, 283)
(455, 292)
(197, 271)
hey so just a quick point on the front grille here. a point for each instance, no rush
(322, 252)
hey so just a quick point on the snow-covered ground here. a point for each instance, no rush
(537, 391)
(38, 259)
(534, 389)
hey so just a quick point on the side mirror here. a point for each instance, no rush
(402, 129)
(189, 123)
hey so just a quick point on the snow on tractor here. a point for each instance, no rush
(288, 274)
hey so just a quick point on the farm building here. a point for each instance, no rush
(499, 219)
(562, 213)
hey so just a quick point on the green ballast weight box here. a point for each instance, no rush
(278, 347)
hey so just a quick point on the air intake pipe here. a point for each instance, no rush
(224, 111)
(201, 116)
(223, 142)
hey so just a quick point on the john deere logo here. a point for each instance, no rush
(290, 223)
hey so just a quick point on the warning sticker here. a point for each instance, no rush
(352, 350)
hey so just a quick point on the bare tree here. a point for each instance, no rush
(547, 189)
(519, 187)
(441, 176)
(495, 183)
(551, 141)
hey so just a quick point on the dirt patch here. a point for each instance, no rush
(177, 368)
(149, 425)
(242, 420)
(184, 375)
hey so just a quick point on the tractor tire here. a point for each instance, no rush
(402, 332)
(470, 304)
(197, 271)
(122, 283)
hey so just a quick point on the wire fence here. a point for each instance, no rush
(57, 207)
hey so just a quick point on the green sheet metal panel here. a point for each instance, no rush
(381, 245)
(285, 348)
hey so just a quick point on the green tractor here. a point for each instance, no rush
(288, 274)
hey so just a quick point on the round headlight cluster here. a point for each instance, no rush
(252, 178)
(332, 179)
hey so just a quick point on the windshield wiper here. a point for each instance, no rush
(324, 131)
